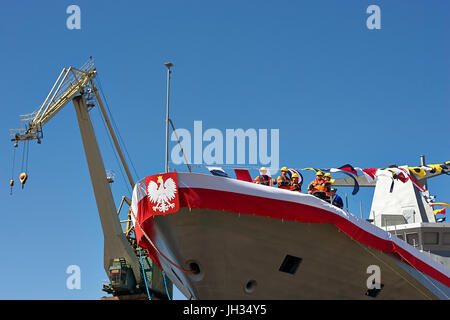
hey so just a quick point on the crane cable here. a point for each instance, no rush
(116, 128)
(179, 143)
(156, 249)
(24, 167)
(114, 151)
(11, 182)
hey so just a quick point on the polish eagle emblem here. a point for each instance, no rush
(162, 195)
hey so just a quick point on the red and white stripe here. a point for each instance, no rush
(199, 191)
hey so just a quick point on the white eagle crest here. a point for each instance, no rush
(163, 194)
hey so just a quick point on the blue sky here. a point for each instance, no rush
(337, 91)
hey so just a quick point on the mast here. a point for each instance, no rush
(422, 163)
(168, 65)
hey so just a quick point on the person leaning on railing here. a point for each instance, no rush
(264, 178)
(337, 200)
(284, 181)
(295, 185)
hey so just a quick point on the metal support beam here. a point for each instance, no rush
(116, 244)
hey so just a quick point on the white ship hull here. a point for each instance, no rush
(240, 254)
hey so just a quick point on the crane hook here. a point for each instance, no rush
(23, 178)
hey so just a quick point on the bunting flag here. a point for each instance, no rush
(440, 204)
(414, 181)
(418, 170)
(436, 167)
(243, 174)
(428, 169)
(428, 198)
(356, 184)
(369, 173)
(312, 169)
(217, 171)
(446, 167)
(300, 177)
(439, 211)
(348, 168)
(399, 174)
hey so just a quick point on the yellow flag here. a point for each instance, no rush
(440, 204)
(418, 170)
(437, 167)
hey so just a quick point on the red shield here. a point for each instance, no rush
(162, 193)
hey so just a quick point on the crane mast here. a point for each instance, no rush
(78, 86)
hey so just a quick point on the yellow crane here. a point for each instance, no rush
(120, 255)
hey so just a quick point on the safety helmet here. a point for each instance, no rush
(295, 175)
(327, 175)
(319, 173)
(284, 169)
(263, 169)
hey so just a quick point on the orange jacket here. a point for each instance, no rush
(316, 185)
(296, 187)
(284, 182)
(265, 180)
(327, 187)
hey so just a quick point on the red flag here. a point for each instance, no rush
(402, 177)
(370, 173)
(349, 168)
(243, 174)
(162, 193)
(440, 211)
(414, 181)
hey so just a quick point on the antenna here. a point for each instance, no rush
(168, 65)
(422, 163)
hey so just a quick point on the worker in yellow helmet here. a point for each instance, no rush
(284, 181)
(295, 186)
(327, 184)
(317, 184)
(264, 178)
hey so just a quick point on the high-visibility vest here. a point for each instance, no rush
(317, 185)
(284, 182)
(265, 180)
(296, 187)
(327, 187)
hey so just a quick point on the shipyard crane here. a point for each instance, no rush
(120, 255)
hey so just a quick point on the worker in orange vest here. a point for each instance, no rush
(264, 178)
(327, 183)
(317, 184)
(295, 186)
(284, 181)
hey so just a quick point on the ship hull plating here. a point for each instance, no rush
(240, 256)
